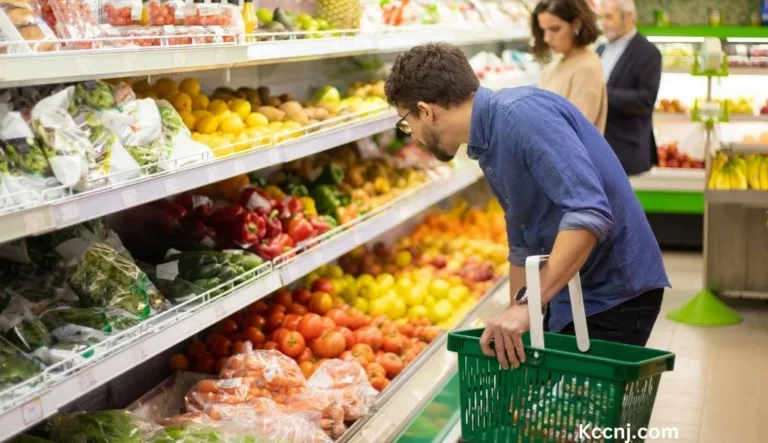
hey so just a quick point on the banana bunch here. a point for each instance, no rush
(738, 173)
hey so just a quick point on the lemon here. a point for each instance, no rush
(182, 102)
(169, 95)
(142, 86)
(276, 125)
(218, 106)
(200, 102)
(292, 125)
(232, 124)
(222, 115)
(240, 107)
(207, 124)
(200, 113)
(164, 85)
(256, 119)
(188, 119)
(190, 86)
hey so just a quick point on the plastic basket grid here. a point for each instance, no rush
(557, 391)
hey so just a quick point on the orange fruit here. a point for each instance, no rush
(218, 107)
(240, 107)
(142, 86)
(200, 102)
(208, 124)
(188, 118)
(256, 119)
(169, 95)
(164, 85)
(182, 102)
(190, 86)
(232, 124)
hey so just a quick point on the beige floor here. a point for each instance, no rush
(718, 390)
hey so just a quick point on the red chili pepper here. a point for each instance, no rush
(174, 210)
(248, 228)
(226, 215)
(255, 198)
(299, 228)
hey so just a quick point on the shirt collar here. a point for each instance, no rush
(478, 131)
(624, 41)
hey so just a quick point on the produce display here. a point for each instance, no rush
(737, 172)
(671, 106)
(489, 66)
(670, 157)
(279, 20)
(451, 13)
(677, 55)
(751, 56)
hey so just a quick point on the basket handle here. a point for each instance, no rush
(533, 282)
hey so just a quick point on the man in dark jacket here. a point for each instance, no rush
(632, 69)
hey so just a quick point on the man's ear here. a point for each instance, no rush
(427, 111)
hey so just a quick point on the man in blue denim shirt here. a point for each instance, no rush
(562, 188)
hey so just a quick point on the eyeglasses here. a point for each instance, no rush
(403, 125)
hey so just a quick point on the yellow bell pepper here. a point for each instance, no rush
(275, 192)
(309, 205)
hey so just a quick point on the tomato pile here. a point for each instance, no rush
(311, 326)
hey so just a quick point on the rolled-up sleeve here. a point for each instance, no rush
(518, 254)
(559, 163)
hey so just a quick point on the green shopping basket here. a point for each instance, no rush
(573, 389)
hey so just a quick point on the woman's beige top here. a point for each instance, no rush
(579, 78)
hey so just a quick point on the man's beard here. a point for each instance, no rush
(433, 145)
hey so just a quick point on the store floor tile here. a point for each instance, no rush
(718, 390)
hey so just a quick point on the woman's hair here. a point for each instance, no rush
(569, 11)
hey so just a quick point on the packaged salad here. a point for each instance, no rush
(15, 367)
(113, 426)
(21, 328)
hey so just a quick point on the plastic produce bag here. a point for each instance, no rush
(74, 353)
(139, 128)
(65, 144)
(15, 367)
(68, 324)
(20, 327)
(183, 150)
(114, 426)
(344, 383)
(24, 168)
(272, 370)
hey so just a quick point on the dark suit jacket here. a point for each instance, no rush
(632, 90)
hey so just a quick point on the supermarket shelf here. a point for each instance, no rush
(750, 198)
(55, 67)
(744, 148)
(733, 70)
(82, 207)
(742, 33)
(404, 399)
(667, 117)
(669, 179)
(158, 335)
(511, 81)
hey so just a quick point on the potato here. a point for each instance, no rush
(273, 114)
(295, 112)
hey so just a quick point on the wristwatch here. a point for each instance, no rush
(521, 298)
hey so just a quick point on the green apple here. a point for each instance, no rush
(429, 301)
(441, 311)
(379, 306)
(457, 294)
(404, 286)
(398, 309)
(361, 304)
(416, 295)
(439, 288)
(418, 311)
(385, 281)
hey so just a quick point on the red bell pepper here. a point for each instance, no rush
(299, 228)
(197, 206)
(274, 226)
(320, 224)
(274, 247)
(193, 229)
(255, 198)
(248, 228)
(226, 215)
(293, 205)
(176, 211)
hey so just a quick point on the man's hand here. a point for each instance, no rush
(506, 332)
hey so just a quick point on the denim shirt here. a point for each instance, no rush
(551, 171)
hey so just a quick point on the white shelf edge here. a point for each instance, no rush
(55, 67)
(24, 415)
(411, 391)
(734, 70)
(670, 179)
(87, 206)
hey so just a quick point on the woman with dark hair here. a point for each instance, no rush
(567, 28)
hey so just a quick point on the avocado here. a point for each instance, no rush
(281, 17)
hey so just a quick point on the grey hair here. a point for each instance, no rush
(624, 6)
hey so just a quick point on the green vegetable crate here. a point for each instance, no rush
(572, 390)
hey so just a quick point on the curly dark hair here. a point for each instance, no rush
(432, 73)
(569, 11)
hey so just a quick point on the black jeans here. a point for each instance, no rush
(630, 322)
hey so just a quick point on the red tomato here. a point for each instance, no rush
(213, 338)
(338, 316)
(298, 309)
(221, 348)
(380, 321)
(406, 329)
(393, 342)
(329, 345)
(320, 362)
(256, 320)
(323, 285)
(369, 335)
(392, 364)
(279, 308)
(320, 303)
(306, 355)
(362, 350)
(284, 298)
(311, 326)
(291, 322)
(328, 324)
(278, 334)
(270, 346)
(292, 344)
(205, 364)
(195, 349)
(410, 355)
(260, 307)
(430, 333)
(274, 320)
(238, 347)
(375, 370)
(348, 336)
(348, 356)
(379, 383)
(301, 296)
(355, 319)
(307, 368)
(255, 336)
